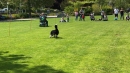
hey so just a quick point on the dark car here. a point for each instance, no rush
(2, 17)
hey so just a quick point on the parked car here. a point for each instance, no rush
(3, 10)
(2, 17)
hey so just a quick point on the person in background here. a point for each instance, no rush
(62, 19)
(102, 14)
(83, 17)
(81, 12)
(116, 11)
(121, 14)
(92, 18)
(10, 15)
(105, 17)
(127, 17)
(67, 18)
(43, 18)
(76, 15)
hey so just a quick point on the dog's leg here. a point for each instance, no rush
(56, 36)
(50, 36)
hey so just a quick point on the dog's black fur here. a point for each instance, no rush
(54, 32)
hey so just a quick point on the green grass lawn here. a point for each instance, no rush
(82, 47)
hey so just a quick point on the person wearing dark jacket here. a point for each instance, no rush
(43, 19)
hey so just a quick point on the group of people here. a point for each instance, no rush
(116, 13)
(104, 17)
(63, 18)
(121, 11)
(81, 15)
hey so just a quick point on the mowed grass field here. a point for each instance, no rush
(82, 47)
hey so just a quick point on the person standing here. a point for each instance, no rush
(67, 16)
(83, 17)
(76, 15)
(121, 14)
(116, 11)
(81, 12)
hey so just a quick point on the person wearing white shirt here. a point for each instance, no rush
(116, 11)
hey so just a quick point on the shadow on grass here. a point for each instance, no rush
(53, 38)
(45, 26)
(43, 69)
(56, 38)
(59, 38)
(9, 63)
(17, 64)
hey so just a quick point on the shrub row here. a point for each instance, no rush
(21, 15)
(95, 8)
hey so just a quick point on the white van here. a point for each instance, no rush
(4, 10)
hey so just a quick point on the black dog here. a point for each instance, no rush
(54, 32)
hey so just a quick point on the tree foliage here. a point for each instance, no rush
(114, 3)
(30, 5)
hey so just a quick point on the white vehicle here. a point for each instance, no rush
(4, 10)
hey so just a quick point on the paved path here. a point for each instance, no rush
(25, 19)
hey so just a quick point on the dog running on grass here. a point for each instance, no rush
(54, 33)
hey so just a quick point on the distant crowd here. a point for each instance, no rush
(80, 14)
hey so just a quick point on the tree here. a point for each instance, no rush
(101, 3)
(119, 3)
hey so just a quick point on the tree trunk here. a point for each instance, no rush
(29, 8)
